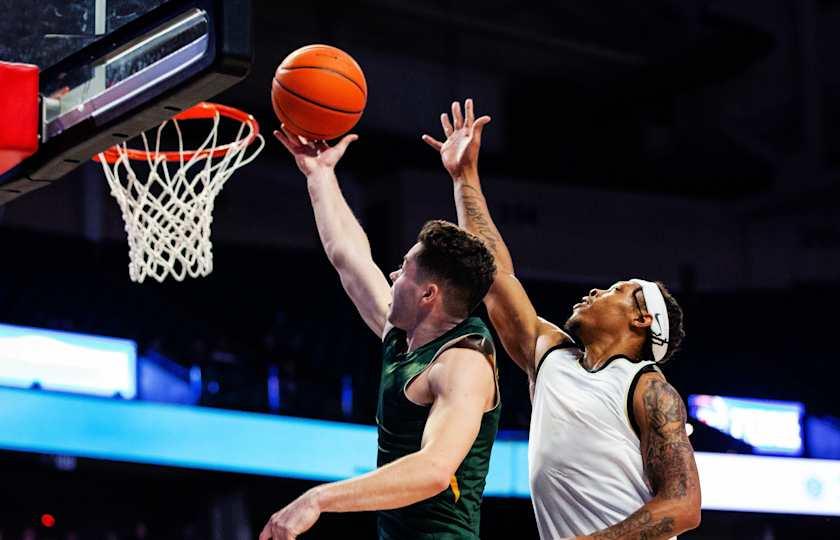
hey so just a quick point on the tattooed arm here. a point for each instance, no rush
(524, 335)
(669, 465)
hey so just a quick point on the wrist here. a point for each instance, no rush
(320, 173)
(319, 496)
(466, 175)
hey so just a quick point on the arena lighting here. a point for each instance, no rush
(270, 445)
(47, 520)
(770, 427)
(67, 362)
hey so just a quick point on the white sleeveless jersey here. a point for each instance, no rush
(584, 457)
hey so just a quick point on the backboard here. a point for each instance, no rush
(111, 69)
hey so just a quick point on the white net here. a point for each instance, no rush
(168, 213)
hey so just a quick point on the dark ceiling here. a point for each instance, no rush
(606, 94)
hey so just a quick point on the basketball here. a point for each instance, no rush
(319, 92)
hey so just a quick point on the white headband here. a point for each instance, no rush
(658, 310)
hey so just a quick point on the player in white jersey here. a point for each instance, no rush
(609, 456)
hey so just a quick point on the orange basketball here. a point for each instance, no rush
(319, 92)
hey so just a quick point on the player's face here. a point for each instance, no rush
(606, 309)
(406, 290)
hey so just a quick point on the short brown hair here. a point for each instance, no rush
(460, 260)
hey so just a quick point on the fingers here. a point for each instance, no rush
(431, 141)
(282, 533)
(469, 114)
(343, 143)
(292, 145)
(289, 137)
(457, 119)
(266, 533)
(297, 140)
(479, 125)
(282, 138)
(447, 126)
(292, 141)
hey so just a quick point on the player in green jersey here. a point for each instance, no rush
(439, 402)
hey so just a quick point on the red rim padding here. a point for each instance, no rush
(19, 111)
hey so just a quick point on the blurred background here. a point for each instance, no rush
(694, 142)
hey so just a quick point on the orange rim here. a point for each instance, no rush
(201, 111)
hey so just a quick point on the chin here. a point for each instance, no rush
(572, 325)
(393, 320)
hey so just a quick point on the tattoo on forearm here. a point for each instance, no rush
(667, 458)
(667, 462)
(479, 221)
(639, 526)
(663, 528)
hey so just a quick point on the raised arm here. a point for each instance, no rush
(669, 465)
(462, 382)
(342, 237)
(524, 335)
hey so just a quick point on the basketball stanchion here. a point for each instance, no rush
(168, 213)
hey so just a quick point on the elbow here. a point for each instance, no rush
(690, 516)
(693, 518)
(438, 477)
(336, 256)
(440, 481)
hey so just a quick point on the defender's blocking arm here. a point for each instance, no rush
(342, 237)
(524, 335)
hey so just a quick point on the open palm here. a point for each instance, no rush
(463, 139)
(312, 156)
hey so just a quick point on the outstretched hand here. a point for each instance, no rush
(313, 156)
(459, 153)
(293, 520)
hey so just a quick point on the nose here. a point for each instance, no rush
(393, 275)
(593, 292)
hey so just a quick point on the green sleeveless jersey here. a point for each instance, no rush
(454, 513)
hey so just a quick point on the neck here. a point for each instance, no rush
(602, 347)
(430, 328)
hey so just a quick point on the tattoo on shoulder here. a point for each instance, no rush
(667, 457)
(639, 525)
(667, 451)
(478, 218)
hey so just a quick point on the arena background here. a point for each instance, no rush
(695, 142)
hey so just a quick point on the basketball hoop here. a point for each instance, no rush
(168, 213)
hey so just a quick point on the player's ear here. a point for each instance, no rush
(431, 292)
(641, 321)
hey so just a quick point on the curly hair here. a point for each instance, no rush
(676, 330)
(460, 260)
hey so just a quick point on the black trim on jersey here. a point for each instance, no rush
(609, 361)
(631, 413)
(568, 344)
